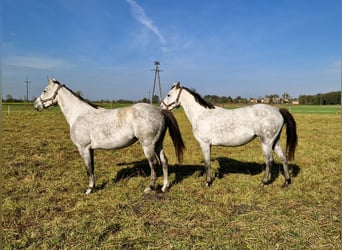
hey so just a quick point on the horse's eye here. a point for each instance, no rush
(168, 95)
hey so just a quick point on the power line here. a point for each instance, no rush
(156, 75)
(27, 82)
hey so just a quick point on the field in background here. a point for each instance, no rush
(44, 179)
(315, 109)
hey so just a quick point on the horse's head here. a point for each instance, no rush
(49, 95)
(171, 100)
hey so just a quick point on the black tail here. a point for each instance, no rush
(291, 134)
(175, 134)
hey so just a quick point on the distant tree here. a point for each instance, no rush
(79, 93)
(121, 101)
(286, 96)
(9, 98)
(218, 99)
(331, 98)
(145, 100)
(237, 99)
(155, 99)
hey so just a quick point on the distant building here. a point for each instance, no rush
(266, 100)
(253, 100)
(274, 100)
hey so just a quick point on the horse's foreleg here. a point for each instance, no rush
(278, 150)
(87, 155)
(206, 155)
(267, 149)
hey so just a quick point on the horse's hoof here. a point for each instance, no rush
(262, 184)
(88, 191)
(164, 189)
(286, 183)
(147, 190)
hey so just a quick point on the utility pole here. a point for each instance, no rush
(156, 74)
(27, 82)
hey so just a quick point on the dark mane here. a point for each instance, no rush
(199, 99)
(78, 96)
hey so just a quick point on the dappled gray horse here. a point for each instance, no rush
(213, 125)
(92, 127)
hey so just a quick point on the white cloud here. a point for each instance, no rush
(139, 14)
(33, 62)
(177, 47)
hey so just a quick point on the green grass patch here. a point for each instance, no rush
(44, 206)
(315, 109)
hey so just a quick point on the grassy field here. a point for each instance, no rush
(44, 179)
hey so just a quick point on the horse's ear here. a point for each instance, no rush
(50, 80)
(176, 85)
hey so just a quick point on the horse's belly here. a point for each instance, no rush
(230, 135)
(105, 137)
(232, 138)
(111, 143)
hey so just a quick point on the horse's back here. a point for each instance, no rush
(145, 108)
(267, 113)
(260, 117)
(243, 115)
(148, 122)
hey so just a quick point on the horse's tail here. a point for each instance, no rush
(291, 133)
(175, 134)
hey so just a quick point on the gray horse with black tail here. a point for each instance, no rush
(213, 125)
(92, 127)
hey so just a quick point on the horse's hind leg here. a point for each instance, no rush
(152, 161)
(278, 150)
(87, 155)
(163, 160)
(164, 164)
(267, 149)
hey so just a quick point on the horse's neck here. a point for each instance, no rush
(192, 109)
(71, 106)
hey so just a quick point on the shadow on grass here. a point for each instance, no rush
(141, 168)
(231, 166)
(226, 166)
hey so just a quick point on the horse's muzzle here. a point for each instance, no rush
(38, 105)
(163, 105)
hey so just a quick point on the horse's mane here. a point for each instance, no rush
(200, 99)
(78, 96)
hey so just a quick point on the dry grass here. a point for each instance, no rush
(44, 206)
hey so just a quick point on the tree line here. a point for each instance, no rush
(321, 99)
(331, 98)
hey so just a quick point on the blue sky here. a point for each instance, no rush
(106, 49)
